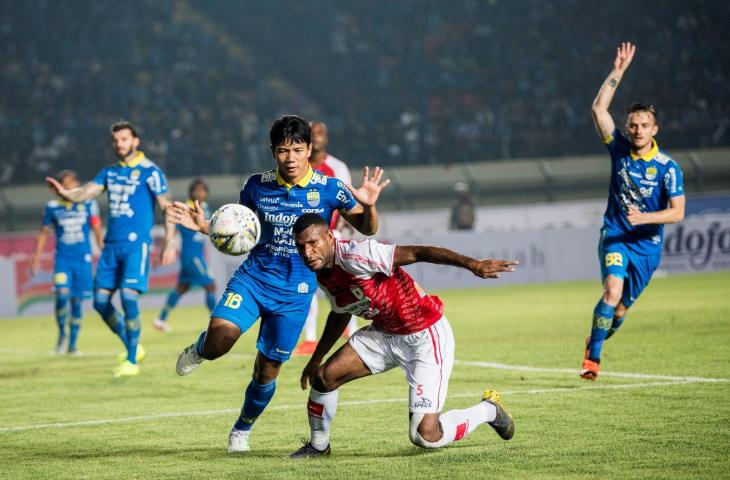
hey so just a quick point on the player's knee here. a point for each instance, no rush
(102, 301)
(612, 292)
(322, 382)
(421, 434)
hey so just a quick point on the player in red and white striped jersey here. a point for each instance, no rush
(333, 167)
(408, 330)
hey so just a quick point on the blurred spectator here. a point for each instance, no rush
(463, 210)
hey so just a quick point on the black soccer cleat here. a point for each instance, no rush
(308, 451)
(503, 423)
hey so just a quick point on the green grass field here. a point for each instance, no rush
(65, 417)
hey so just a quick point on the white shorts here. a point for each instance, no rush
(426, 357)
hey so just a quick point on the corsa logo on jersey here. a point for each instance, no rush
(614, 259)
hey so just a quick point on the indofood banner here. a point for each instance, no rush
(698, 244)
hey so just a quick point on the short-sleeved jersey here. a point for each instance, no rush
(335, 168)
(71, 222)
(646, 182)
(274, 260)
(132, 188)
(365, 283)
(193, 243)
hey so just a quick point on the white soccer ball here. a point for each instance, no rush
(234, 229)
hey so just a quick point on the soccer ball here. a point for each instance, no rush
(234, 229)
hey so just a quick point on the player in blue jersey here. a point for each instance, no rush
(133, 185)
(646, 192)
(193, 269)
(273, 283)
(72, 276)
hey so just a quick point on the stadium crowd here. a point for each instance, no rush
(428, 82)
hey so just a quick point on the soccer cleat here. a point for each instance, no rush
(126, 369)
(75, 352)
(238, 441)
(61, 345)
(188, 361)
(161, 325)
(589, 369)
(305, 348)
(503, 423)
(141, 353)
(308, 451)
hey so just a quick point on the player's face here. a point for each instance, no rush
(69, 182)
(319, 137)
(292, 160)
(641, 128)
(199, 193)
(316, 246)
(124, 143)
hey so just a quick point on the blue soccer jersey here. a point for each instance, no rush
(646, 182)
(132, 188)
(193, 243)
(71, 222)
(275, 261)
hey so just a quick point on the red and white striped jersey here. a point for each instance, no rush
(335, 168)
(363, 282)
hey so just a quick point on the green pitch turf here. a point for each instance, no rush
(65, 417)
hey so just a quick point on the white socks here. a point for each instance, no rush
(455, 424)
(310, 327)
(321, 409)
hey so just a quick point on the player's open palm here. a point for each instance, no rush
(624, 55)
(190, 218)
(55, 185)
(371, 187)
(489, 268)
(308, 373)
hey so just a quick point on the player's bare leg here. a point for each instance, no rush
(160, 322)
(213, 343)
(603, 319)
(344, 366)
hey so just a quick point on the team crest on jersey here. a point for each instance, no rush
(651, 173)
(134, 175)
(313, 198)
(269, 176)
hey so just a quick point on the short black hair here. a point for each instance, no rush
(306, 221)
(194, 184)
(289, 128)
(644, 107)
(65, 173)
(122, 124)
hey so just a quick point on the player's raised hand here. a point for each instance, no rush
(624, 55)
(489, 268)
(308, 373)
(635, 216)
(371, 187)
(181, 214)
(56, 186)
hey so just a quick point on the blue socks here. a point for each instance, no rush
(132, 323)
(61, 314)
(617, 322)
(210, 300)
(602, 320)
(256, 399)
(199, 343)
(113, 318)
(172, 300)
(75, 323)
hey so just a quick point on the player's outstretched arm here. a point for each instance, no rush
(485, 268)
(168, 249)
(193, 219)
(364, 216)
(673, 214)
(35, 263)
(601, 118)
(336, 324)
(78, 194)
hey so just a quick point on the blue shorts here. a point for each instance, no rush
(620, 261)
(123, 265)
(73, 274)
(282, 317)
(194, 271)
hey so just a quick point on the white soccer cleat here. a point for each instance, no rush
(188, 361)
(161, 325)
(61, 345)
(238, 441)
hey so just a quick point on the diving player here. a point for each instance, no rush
(193, 269)
(72, 276)
(646, 191)
(134, 184)
(408, 330)
(333, 167)
(273, 283)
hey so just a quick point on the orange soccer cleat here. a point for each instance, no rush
(590, 369)
(305, 348)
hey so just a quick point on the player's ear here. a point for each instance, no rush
(654, 130)
(309, 150)
(135, 142)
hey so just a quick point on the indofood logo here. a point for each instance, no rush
(701, 245)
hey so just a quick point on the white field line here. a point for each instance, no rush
(301, 406)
